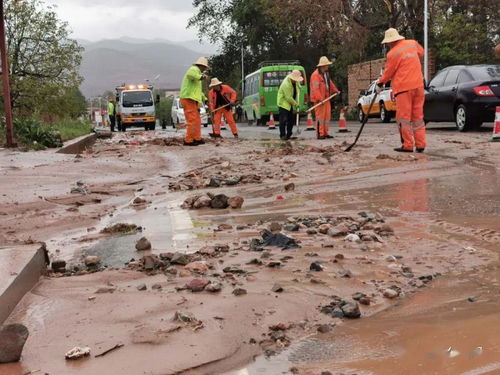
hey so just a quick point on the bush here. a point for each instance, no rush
(35, 134)
(164, 110)
(32, 133)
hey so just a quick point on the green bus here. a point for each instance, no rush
(260, 90)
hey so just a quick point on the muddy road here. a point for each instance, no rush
(391, 263)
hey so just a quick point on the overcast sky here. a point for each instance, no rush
(107, 19)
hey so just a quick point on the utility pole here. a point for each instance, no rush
(426, 40)
(9, 131)
(242, 72)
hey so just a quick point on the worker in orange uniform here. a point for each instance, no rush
(321, 88)
(404, 69)
(192, 98)
(223, 97)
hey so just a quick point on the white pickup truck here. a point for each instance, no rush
(384, 106)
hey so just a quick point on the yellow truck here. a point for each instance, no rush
(135, 107)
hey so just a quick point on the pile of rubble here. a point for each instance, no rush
(219, 201)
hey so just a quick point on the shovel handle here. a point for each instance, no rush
(323, 102)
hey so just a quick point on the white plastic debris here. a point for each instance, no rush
(352, 238)
(477, 352)
(470, 249)
(452, 353)
(77, 353)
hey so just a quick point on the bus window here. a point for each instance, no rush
(274, 79)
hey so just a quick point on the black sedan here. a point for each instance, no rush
(464, 94)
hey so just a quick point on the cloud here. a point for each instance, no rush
(148, 19)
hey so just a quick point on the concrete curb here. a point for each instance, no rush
(22, 268)
(76, 146)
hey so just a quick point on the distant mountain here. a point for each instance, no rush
(108, 63)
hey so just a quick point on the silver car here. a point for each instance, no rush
(178, 116)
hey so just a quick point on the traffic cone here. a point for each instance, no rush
(223, 123)
(496, 127)
(309, 124)
(271, 124)
(342, 122)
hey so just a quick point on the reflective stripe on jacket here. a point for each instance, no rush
(226, 91)
(285, 94)
(191, 87)
(318, 87)
(403, 66)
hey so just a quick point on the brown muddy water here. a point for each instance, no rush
(453, 327)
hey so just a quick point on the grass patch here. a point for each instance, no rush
(31, 133)
(70, 129)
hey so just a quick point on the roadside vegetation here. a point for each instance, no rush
(461, 32)
(33, 134)
(46, 101)
(164, 110)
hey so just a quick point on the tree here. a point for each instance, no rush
(461, 31)
(44, 61)
(465, 31)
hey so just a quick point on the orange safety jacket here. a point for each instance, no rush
(227, 92)
(403, 66)
(318, 87)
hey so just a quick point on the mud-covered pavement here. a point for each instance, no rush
(411, 240)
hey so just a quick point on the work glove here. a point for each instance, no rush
(204, 77)
(378, 87)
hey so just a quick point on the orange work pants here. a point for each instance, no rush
(193, 120)
(228, 115)
(323, 117)
(410, 118)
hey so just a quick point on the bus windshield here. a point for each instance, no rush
(137, 99)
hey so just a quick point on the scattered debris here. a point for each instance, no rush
(143, 244)
(219, 201)
(77, 353)
(117, 346)
(80, 188)
(121, 228)
(12, 340)
(239, 291)
(92, 261)
(58, 266)
(277, 288)
(278, 240)
(142, 287)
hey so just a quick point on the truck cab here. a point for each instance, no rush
(135, 106)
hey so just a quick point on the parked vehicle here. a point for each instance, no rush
(178, 116)
(464, 94)
(260, 91)
(135, 107)
(384, 107)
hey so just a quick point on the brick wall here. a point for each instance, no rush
(360, 75)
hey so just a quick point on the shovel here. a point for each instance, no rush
(297, 119)
(365, 120)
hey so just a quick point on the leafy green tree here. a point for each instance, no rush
(44, 61)
(461, 31)
(465, 32)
